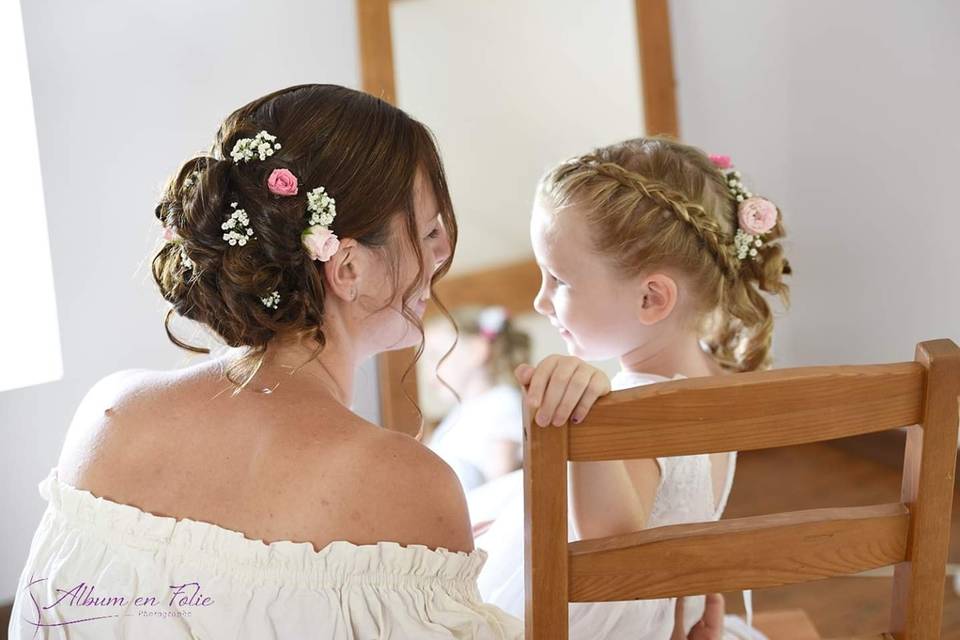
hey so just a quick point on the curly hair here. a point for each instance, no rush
(364, 151)
(654, 202)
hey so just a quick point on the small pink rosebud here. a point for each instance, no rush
(282, 182)
(721, 162)
(170, 234)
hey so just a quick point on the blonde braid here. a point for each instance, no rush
(701, 222)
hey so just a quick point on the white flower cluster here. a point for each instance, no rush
(736, 187)
(747, 244)
(237, 227)
(272, 300)
(185, 259)
(322, 208)
(191, 179)
(263, 145)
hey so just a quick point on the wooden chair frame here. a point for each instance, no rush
(745, 412)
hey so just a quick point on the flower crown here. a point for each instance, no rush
(756, 216)
(317, 237)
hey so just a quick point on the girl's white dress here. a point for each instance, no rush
(99, 569)
(685, 495)
(466, 438)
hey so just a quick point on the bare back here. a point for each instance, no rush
(283, 466)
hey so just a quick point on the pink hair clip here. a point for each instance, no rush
(491, 321)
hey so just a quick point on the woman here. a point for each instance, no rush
(241, 498)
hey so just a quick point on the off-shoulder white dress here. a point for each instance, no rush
(99, 569)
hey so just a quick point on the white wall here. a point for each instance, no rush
(123, 92)
(29, 342)
(845, 113)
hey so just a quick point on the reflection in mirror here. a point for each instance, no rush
(518, 87)
(510, 88)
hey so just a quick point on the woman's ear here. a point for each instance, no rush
(344, 270)
(657, 297)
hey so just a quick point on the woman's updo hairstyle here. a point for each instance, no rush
(365, 152)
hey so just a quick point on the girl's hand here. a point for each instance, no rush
(562, 388)
(710, 626)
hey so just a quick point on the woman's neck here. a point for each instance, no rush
(669, 355)
(291, 364)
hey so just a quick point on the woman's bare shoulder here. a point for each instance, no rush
(415, 490)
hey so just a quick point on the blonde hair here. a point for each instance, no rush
(509, 346)
(654, 202)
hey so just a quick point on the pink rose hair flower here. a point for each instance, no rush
(170, 234)
(321, 243)
(757, 215)
(721, 162)
(282, 182)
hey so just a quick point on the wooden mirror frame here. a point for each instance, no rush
(514, 285)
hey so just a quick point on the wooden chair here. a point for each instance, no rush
(744, 412)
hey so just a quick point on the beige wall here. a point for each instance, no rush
(846, 114)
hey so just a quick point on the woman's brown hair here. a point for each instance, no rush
(654, 203)
(364, 151)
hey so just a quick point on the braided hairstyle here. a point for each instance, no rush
(654, 202)
(364, 151)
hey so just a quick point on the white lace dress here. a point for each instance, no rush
(685, 495)
(102, 570)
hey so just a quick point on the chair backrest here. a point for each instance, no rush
(742, 412)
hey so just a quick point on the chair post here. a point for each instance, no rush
(546, 558)
(927, 489)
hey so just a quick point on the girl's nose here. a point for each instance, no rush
(541, 303)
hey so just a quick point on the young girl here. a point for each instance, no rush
(653, 253)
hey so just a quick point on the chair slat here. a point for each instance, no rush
(545, 525)
(928, 484)
(748, 411)
(730, 555)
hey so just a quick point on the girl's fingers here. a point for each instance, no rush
(538, 381)
(523, 373)
(713, 612)
(555, 388)
(598, 386)
(579, 384)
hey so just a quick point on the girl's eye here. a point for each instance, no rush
(433, 235)
(560, 283)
